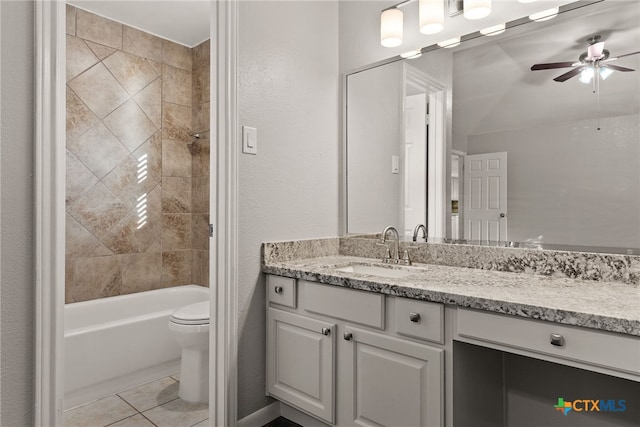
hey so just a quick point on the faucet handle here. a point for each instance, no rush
(406, 259)
(387, 256)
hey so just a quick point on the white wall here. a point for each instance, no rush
(571, 183)
(17, 303)
(289, 91)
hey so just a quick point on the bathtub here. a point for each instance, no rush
(116, 343)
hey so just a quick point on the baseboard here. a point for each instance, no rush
(261, 416)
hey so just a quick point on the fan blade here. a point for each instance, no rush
(617, 68)
(552, 65)
(568, 75)
(594, 51)
(628, 54)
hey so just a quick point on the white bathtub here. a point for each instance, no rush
(115, 343)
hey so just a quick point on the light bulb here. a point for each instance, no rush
(391, 27)
(545, 15)
(431, 16)
(493, 31)
(477, 9)
(586, 75)
(605, 72)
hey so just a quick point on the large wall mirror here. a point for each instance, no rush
(476, 145)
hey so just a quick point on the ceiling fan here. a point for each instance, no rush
(595, 59)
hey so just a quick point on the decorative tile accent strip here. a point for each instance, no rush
(299, 249)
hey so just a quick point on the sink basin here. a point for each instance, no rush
(380, 271)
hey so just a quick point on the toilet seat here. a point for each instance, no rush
(192, 314)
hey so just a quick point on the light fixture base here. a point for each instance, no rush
(456, 7)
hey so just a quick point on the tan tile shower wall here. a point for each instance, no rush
(200, 163)
(131, 217)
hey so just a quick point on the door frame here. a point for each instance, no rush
(49, 145)
(437, 167)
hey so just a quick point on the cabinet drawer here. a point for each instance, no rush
(420, 319)
(282, 290)
(605, 349)
(366, 308)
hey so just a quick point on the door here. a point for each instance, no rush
(485, 197)
(300, 362)
(415, 160)
(393, 382)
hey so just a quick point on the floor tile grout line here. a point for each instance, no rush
(146, 418)
(125, 418)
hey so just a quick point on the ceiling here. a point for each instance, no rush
(495, 89)
(182, 21)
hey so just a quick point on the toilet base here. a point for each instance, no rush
(194, 375)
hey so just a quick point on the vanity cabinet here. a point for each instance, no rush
(340, 355)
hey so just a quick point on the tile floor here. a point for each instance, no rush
(155, 404)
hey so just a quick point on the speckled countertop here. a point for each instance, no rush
(609, 306)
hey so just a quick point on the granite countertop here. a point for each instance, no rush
(608, 306)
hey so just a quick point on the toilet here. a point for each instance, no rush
(190, 326)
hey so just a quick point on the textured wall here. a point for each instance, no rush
(288, 90)
(129, 195)
(17, 263)
(570, 183)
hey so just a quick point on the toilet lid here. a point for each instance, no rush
(192, 314)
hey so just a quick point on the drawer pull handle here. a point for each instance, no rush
(278, 290)
(326, 331)
(348, 336)
(414, 317)
(557, 340)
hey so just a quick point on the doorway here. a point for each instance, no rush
(50, 211)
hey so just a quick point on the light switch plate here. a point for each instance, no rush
(249, 140)
(395, 164)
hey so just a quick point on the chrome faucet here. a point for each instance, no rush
(415, 232)
(394, 257)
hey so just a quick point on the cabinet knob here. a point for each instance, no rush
(414, 317)
(325, 331)
(278, 289)
(348, 336)
(557, 340)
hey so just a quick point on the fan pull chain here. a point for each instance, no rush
(597, 86)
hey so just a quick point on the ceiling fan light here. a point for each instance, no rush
(605, 72)
(450, 43)
(476, 9)
(545, 15)
(493, 31)
(391, 27)
(431, 14)
(586, 75)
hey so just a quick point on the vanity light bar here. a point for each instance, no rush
(431, 17)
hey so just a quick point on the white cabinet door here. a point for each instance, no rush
(393, 382)
(300, 362)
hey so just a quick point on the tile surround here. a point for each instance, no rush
(132, 99)
(97, 29)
